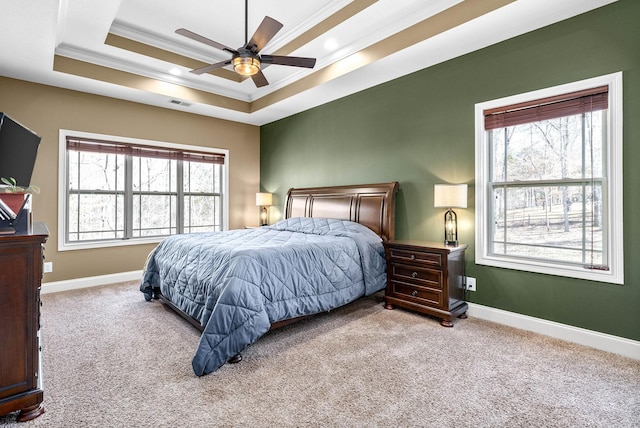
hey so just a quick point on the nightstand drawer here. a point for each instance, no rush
(422, 295)
(416, 275)
(414, 256)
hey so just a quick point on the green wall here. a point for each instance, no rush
(419, 130)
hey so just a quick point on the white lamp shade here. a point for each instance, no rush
(450, 196)
(264, 199)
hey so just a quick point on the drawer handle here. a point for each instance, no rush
(412, 256)
(415, 293)
(414, 275)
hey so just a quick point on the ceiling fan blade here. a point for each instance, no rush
(265, 32)
(198, 38)
(295, 61)
(259, 79)
(210, 67)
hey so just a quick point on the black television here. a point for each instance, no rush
(18, 150)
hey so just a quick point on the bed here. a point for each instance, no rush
(236, 285)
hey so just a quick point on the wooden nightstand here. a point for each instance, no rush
(427, 277)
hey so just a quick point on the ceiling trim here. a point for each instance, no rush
(327, 24)
(165, 55)
(423, 30)
(97, 72)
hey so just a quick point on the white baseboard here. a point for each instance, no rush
(93, 281)
(604, 342)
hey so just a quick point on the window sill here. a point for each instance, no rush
(65, 246)
(569, 271)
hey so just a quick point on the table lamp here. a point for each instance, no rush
(450, 196)
(264, 201)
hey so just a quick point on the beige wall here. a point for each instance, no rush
(47, 109)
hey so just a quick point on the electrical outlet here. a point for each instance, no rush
(47, 267)
(471, 283)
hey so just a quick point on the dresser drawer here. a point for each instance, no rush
(415, 256)
(431, 278)
(412, 292)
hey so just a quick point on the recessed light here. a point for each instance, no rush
(330, 44)
(175, 71)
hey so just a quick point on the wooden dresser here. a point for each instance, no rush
(21, 258)
(427, 277)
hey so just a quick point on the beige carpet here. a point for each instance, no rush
(113, 360)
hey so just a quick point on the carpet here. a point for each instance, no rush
(111, 359)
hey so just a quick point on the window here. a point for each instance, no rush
(121, 191)
(549, 181)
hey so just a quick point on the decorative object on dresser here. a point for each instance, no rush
(427, 277)
(21, 388)
(15, 213)
(264, 201)
(450, 196)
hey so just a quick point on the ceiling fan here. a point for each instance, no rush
(246, 60)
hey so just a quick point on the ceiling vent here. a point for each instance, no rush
(180, 103)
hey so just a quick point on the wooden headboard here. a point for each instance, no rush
(373, 205)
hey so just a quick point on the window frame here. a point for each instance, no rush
(63, 190)
(614, 186)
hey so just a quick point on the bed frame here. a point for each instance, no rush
(372, 205)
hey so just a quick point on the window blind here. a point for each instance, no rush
(570, 104)
(108, 147)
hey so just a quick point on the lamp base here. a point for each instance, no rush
(264, 215)
(450, 228)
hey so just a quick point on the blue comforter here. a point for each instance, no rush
(236, 283)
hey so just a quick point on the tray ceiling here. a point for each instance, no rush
(128, 49)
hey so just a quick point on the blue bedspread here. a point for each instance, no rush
(236, 283)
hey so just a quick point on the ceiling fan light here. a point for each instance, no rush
(246, 65)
